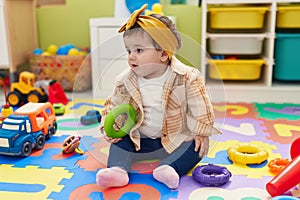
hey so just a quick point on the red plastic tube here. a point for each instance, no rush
(289, 176)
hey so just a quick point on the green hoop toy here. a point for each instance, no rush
(112, 116)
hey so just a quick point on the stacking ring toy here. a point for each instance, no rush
(247, 154)
(277, 165)
(211, 175)
(112, 116)
(71, 144)
(284, 197)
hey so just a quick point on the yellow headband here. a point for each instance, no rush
(160, 33)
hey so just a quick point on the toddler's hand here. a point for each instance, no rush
(201, 142)
(107, 138)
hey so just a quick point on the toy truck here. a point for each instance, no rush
(27, 129)
(24, 91)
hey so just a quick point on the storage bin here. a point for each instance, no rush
(237, 44)
(288, 16)
(235, 69)
(287, 57)
(237, 17)
(72, 72)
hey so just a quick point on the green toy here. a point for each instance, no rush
(112, 116)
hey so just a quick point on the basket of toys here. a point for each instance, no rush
(71, 70)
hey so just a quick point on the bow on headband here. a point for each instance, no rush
(160, 33)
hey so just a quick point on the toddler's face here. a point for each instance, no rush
(143, 58)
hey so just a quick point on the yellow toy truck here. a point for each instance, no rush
(24, 91)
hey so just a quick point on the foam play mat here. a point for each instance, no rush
(50, 174)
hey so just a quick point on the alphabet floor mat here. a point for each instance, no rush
(50, 174)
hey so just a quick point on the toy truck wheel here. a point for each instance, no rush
(49, 134)
(40, 142)
(26, 149)
(54, 128)
(14, 98)
(34, 97)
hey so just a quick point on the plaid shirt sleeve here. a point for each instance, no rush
(200, 115)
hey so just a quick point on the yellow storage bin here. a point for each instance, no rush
(235, 69)
(241, 17)
(288, 16)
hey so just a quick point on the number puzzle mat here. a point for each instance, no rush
(49, 174)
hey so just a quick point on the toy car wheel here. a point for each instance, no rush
(14, 98)
(54, 128)
(34, 97)
(26, 149)
(40, 142)
(49, 134)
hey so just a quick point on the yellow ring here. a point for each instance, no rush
(247, 154)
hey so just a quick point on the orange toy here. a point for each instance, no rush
(277, 165)
(289, 176)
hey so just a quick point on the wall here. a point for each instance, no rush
(70, 24)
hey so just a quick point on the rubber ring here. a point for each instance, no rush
(277, 165)
(211, 175)
(112, 116)
(284, 197)
(247, 154)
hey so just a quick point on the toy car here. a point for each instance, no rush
(91, 117)
(59, 109)
(27, 129)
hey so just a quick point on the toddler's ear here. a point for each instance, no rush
(164, 56)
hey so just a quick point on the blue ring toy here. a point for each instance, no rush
(284, 197)
(211, 175)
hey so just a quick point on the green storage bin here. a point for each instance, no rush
(287, 57)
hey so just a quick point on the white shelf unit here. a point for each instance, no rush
(261, 90)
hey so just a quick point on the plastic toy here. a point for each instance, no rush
(27, 128)
(157, 8)
(211, 175)
(59, 109)
(37, 51)
(284, 197)
(91, 117)
(289, 176)
(6, 110)
(247, 154)
(71, 145)
(277, 165)
(24, 91)
(54, 90)
(52, 49)
(112, 116)
(62, 50)
(73, 52)
(133, 5)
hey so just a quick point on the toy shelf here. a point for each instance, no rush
(263, 37)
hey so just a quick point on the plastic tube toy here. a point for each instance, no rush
(211, 175)
(289, 176)
(277, 165)
(284, 197)
(112, 116)
(247, 154)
